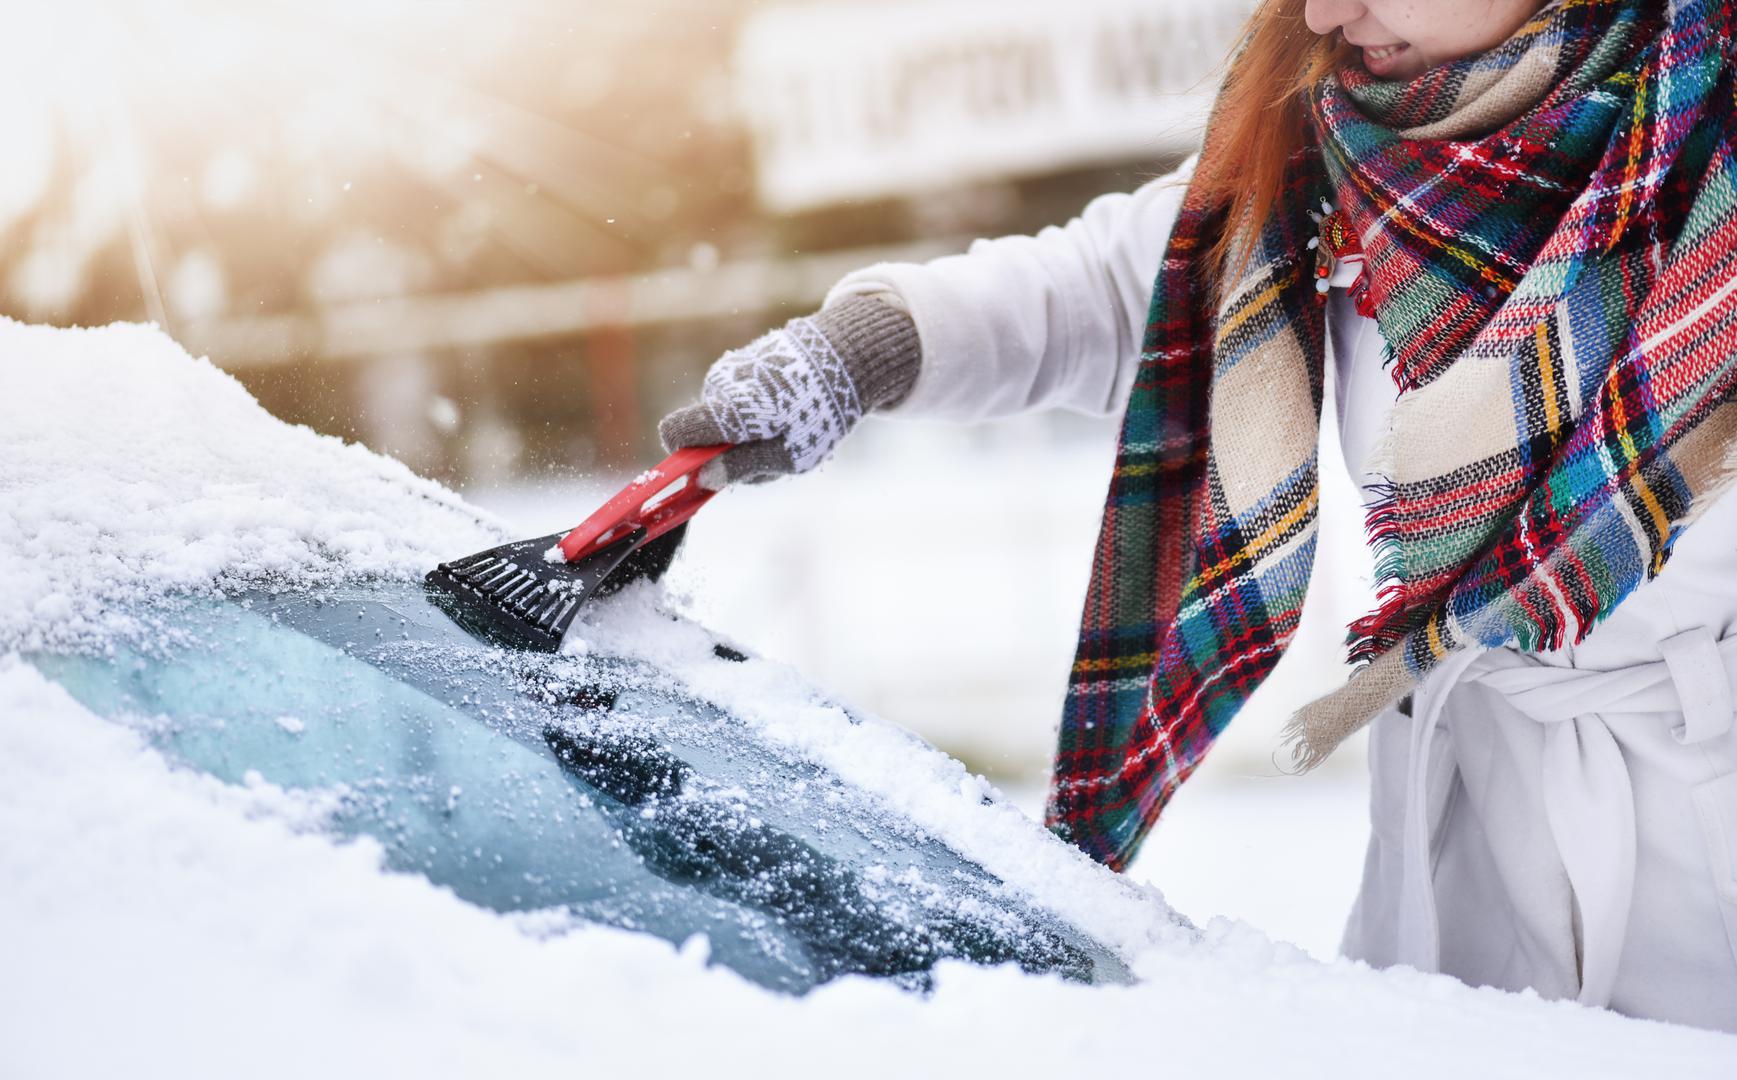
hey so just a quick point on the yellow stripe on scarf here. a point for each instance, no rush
(1255, 548)
(1138, 661)
(1547, 378)
(1256, 304)
(1432, 633)
(1619, 416)
(1631, 171)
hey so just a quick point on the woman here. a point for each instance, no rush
(1513, 227)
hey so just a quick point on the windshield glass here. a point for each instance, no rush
(588, 785)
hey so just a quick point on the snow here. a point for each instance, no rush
(923, 783)
(130, 469)
(152, 915)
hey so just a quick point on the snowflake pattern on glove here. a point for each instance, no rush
(789, 385)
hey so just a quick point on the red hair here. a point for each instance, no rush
(1261, 120)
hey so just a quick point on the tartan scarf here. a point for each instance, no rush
(1550, 232)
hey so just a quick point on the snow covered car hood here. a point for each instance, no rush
(154, 912)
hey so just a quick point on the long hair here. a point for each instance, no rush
(1261, 120)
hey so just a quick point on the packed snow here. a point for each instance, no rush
(129, 470)
(155, 920)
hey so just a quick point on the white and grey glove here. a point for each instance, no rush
(787, 399)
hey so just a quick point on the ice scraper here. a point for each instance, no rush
(526, 594)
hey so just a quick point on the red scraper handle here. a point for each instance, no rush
(653, 502)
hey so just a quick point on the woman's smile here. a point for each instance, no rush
(1401, 39)
(1385, 60)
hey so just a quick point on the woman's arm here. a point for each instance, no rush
(1025, 322)
(1031, 322)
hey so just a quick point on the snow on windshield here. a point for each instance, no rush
(149, 913)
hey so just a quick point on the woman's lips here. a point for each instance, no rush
(1384, 60)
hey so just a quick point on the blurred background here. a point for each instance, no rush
(498, 241)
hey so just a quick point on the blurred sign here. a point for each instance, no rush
(875, 99)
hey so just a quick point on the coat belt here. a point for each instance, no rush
(1585, 787)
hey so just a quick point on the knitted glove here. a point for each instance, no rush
(787, 399)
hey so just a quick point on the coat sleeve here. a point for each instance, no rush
(1020, 323)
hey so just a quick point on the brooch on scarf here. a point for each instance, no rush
(1333, 244)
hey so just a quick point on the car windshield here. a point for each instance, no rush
(592, 786)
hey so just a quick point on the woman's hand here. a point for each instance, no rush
(788, 398)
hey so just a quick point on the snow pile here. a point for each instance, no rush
(127, 468)
(149, 914)
(154, 915)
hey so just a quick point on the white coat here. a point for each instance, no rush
(1564, 821)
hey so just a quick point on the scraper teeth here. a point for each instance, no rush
(525, 603)
(569, 608)
(538, 612)
(471, 569)
(514, 586)
(563, 617)
(488, 579)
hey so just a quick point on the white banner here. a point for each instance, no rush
(851, 101)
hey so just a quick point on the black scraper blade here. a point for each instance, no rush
(513, 595)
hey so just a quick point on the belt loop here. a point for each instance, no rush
(1697, 667)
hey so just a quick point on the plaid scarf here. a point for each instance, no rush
(1551, 240)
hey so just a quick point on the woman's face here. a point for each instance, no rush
(1401, 39)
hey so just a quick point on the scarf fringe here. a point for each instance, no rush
(1294, 743)
(1319, 728)
(1376, 642)
(1379, 630)
(1323, 725)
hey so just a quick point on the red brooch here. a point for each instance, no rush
(1333, 244)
